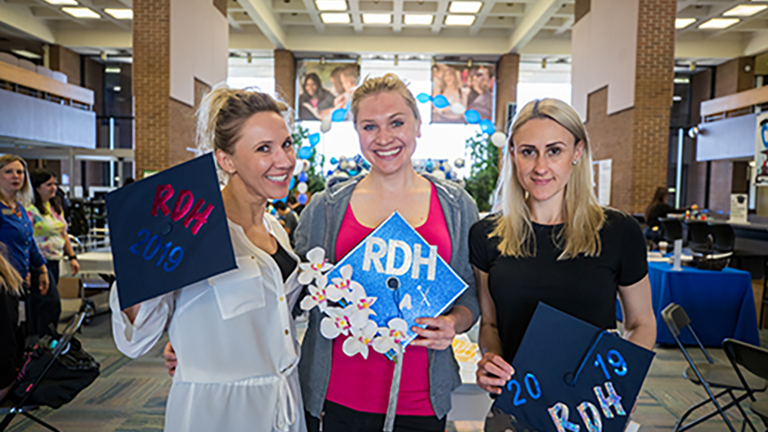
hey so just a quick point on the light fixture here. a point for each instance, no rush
(677, 98)
(322, 60)
(359, 60)
(544, 63)
(692, 66)
(377, 18)
(432, 61)
(397, 59)
(112, 70)
(469, 63)
(62, 2)
(249, 58)
(745, 10)
(121, 14)
(26, 54)
(681, 23)
(103, 56)
(418, 19)
(459, 20)
(719, 23)
(335, 18)
(116, 89)
(465, 6)
(331, 5)
(81, 12)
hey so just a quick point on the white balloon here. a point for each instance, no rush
(438, 174)
(457, 108)
(298, 168)
(459, 163)
(301, 187)
(325, 125)
(304, 165)
(344, 165)
(499, 139)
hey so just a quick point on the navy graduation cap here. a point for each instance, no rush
(571, 376)
(168, 231)
(403, 272)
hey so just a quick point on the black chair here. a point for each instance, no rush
(708, 375)
(671, 230)
(698, 236)
(755, 360)
(724, 237)
(764, 303)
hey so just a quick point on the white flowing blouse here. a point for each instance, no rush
(235, 341)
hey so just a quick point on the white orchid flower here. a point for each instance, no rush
(391, 337)
(360, 340)
(317, 295)
(316, 266)
(344, 287)
(337, 322)
(360, 305)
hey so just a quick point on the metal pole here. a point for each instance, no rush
(111, 147)
(679, 169)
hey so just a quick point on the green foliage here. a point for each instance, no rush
(484, 169)
(315, 178)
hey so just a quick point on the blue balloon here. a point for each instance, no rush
(303, 177)
(440, 101)
(487, 127)
(334, 161)
(423, 98)
(472, 116)
(352, 173)
(314, 139)
(303, 198)
(329, 173)
(339, 115)
(305, 152)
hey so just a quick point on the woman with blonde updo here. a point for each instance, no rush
(233, 333)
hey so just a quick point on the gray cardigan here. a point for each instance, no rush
(319, 225)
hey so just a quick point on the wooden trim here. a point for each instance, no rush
(734, 102)
(33, 80)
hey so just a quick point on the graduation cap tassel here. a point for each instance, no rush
(394, 392)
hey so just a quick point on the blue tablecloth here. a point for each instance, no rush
(720, 304)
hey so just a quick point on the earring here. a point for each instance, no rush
(574, 162)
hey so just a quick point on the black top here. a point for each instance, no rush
(583, 287)
(286, 263)
(291, 221)
(657, 212)
(11, 347)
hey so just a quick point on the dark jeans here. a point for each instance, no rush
(45, 309)
(338, 418)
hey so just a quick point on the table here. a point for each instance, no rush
(720, 304)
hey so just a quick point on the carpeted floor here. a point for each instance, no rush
(130, 395)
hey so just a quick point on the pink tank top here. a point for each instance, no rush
(363, 385)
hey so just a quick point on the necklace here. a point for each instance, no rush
(14, 208)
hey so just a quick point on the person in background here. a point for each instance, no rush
(288, 218)
(16, 230)
(11, 336)
(315, 102)
(480, 98)
(50, 231)
(553, 243)
(657, 210)
(293, 203)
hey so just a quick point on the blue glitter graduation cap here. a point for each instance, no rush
(405, 274)
(168, 231)
(572, 376)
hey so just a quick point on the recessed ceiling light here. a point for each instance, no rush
(25, 53)
(465, 6)
(745, 10)
(681, 23)
(719, 23)
(81, 12)
(62, 2)
(335, 18)
(459, 20)
(121, 14)
(331, 5)
(376, 18)
(418, 19)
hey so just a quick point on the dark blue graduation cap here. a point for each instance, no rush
(168, 231)
(404, 272)
(573, 376)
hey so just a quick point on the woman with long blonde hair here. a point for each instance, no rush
(11, 339)
(553, 242)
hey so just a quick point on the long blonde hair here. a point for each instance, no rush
(582, 214)
(10, 280)
(24, 196)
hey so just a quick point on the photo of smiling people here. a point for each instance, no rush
(324, 87)
(464, 88)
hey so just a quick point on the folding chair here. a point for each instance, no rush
(671, 230)
(708, 375)
(21, 407)
(755, 360)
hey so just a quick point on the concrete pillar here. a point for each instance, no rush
(623, 62)
(285, 76)
(507, 76)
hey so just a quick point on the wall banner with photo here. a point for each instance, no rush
(464, 88)
(324, 88)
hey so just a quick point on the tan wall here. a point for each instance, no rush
(183, 126)
(65, 61)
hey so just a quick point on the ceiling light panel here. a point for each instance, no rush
(418, 19)
(465, 6)
(121, 14)
(81, 12)
(681, 23)
(459, 20)
(331, 5)
(26, 54)
(335, 18)
(374, 18)
(62, 2)
(745, 10)
(719, 23)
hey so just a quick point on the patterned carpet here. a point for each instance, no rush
(130, 395)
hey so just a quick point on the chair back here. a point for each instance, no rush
(752, 358)
(698, 235)
(676, 320)
(724, 237)
(672, 229)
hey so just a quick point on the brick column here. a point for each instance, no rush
(507, 75)
(285, 76)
